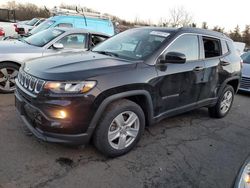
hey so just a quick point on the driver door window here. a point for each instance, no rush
(187, 45)
(75, 41)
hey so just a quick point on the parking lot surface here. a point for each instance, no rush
(189, 150)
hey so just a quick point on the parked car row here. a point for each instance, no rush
(49, 37)
(24, 28)
(51, 41)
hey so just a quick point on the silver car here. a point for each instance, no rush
(51, 41)
(245, 81)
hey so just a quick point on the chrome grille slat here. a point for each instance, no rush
(30, 83)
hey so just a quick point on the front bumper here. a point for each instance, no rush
(32, 117)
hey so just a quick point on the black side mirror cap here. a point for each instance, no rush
(173, 57)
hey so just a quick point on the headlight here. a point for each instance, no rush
(243, 179)
(69, 87)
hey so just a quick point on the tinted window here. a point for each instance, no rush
(188, 45)
(136, 44)
(75, 41)
(43, 37)
(224, 47)
(212, 47)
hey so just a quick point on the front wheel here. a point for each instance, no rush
(223, 104)
(120, 128)
(8, 73)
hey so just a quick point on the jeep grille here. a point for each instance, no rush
(30, 83)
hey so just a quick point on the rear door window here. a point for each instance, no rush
(212, 47)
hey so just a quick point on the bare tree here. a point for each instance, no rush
(236, 34)
(163, 22)
(246, 35)
(204, 25)
(219, 29)
(179, 17)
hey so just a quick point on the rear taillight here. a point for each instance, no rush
(2, 33)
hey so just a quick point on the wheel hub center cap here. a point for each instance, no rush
(123, 130)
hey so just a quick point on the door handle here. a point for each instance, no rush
(197, 69)
(224, 63)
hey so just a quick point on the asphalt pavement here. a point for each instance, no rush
(188, 150)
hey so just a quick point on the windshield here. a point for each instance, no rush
(32, 22)
(246, 57)
(45, 25)
(133, 44)
(43, 37)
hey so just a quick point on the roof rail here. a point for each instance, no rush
(61, 11)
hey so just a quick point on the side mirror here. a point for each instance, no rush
(173, 57)
(58, 46)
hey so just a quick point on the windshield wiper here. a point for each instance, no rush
(112, 54)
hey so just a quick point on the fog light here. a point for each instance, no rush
(59, 114)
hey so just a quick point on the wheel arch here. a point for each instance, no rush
(233, 81)
(13, 62)
(138, 96)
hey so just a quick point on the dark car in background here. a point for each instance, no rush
(131, 80)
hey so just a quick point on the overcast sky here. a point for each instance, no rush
(215, 12)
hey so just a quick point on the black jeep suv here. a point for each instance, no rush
(133, 79)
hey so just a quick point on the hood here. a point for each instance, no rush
(246, 70)
(16, 47)
(75, 66)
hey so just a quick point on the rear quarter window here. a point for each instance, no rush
(224, 47)
(212, 47)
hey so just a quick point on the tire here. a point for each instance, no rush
(8, 73)
(114, 122)
(217, 110)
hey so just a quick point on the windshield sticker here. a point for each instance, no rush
(159, 33)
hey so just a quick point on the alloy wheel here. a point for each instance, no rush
(123, 130)
(226, 102)
(7, 79)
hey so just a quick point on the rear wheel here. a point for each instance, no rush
(120, 128)
(8, 73)
(223, 104)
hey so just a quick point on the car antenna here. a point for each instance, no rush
(83, 15)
